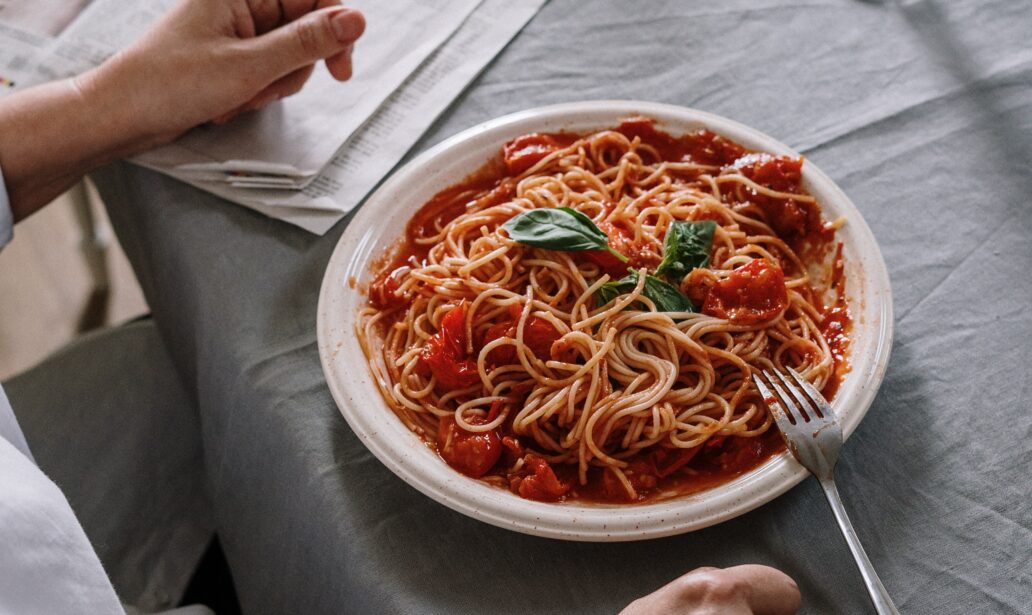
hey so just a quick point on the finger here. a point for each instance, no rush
(705, 589)
(286, 85)
(258, 102)
(266, 14)
(768, 591)
(318, 35)
(243, 20)
(295, 9)
(340, 65)
(227, 116)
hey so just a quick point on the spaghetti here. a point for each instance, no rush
(582, 318)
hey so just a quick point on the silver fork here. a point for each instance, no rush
(814, 437)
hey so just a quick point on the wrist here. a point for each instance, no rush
(53, 134)
(121, 123)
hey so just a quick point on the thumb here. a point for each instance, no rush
(768, 590)
(316, 36)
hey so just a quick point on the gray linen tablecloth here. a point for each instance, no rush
(922, 112)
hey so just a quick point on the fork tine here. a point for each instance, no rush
(821, 404)
(783, 388)
(783, 419)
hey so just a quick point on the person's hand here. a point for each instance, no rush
(741, 590)
(208, 60)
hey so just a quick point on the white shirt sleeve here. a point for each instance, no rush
(9, 428)
(47, 564)
(6, 218)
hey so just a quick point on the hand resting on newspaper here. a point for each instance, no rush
(206, 61)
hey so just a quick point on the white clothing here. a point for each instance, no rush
(47, 564)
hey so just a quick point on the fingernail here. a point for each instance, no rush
(347, 24)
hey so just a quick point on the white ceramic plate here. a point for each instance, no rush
(382, 220)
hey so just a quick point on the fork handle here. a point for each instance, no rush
(879, 596)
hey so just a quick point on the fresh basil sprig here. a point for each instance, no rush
(559, 228)
(666, 297)
(686, 246)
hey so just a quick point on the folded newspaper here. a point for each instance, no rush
(308, 159)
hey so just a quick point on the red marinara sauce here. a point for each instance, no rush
(750, 294)
(837, 325)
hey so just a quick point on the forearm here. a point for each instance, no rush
(203, 61)
(53, 134)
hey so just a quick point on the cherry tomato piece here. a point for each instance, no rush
(543, 485)
(788, 217)
(472, 453)
(781, 173)
(751, 294)
(525, 151)
(538, 335)
(383, 290)
(445, 353)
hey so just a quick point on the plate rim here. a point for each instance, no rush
(468, 496)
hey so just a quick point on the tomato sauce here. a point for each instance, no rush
(720, 460)
(701, 146)
(751, 294)
(836, 328)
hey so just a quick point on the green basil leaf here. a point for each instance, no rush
(611, 290)
(666, 297)
(686, 246)
(560, 228)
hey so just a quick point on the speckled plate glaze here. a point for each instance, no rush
(382, 220)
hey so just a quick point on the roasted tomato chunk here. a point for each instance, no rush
(789, 217)
(710, 148)
(513, 450)
(538, 335)
(542, 485)
(605, 261)
(525, 151)
(445, 353)
(383, 292)
(702, 146)
(472, 453)
(781, 173)
(622, 240)
(751, 294)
